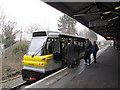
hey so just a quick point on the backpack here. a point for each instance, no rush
(93, 49)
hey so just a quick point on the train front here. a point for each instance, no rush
(34, 62)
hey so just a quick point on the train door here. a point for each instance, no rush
(81, 43)
(63, 45)
(52, 46)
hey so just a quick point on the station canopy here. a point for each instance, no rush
(101, 17)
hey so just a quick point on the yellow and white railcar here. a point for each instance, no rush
(46, 53)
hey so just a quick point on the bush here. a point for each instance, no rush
(9, 39)
(20, 48)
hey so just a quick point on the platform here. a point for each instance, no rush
(103, 74)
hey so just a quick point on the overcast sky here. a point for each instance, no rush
(26, 12)
(31, 11)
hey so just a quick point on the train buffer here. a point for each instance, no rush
(103, 74)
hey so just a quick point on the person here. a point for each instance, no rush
(114, 44)
(88, 46)
(119, 46)
(71, 49)
(77, 52)
(94, 50)
(50, 47)
(64, 53)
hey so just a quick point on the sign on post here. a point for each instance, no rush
(98, 23)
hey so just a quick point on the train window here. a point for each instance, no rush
(50, 46)
(82, 44)
(79, 43)
(64, 42)
(70, 39)
(36, 34)
(75, 39)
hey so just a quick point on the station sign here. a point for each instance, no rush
(98, 23)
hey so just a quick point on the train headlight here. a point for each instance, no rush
(45, 59)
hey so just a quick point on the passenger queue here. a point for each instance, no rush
(73, 51)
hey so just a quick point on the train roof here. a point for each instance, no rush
(53, 34)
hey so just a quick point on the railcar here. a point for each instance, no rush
(46, 53)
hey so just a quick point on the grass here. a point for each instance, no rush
(11, 63)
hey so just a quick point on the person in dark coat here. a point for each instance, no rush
(50, 48)
(94, 50)
(77, 51)
(64, 56)
(71, 57)
(114, 44)
(88, 46)
(119, 46)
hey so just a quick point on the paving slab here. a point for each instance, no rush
(103, 74)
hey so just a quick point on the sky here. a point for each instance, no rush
(31, 11)
(27, 12)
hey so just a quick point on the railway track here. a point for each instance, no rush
(20, 86)
(25, 83)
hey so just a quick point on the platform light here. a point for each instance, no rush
(109, 37)
(107, 12)
(116, 8)
(113, 18)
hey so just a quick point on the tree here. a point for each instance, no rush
(92, 35)
(9, 39)
(33, 27)
(7, 31)
(88, 34)
(8, 35)
(20, 48)
(67, 25)
(0, 38)
(28, 30)
(2, 23)
(7, 28)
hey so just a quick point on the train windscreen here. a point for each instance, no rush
(36, 45)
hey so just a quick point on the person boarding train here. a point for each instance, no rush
(71, 54)
(77, 52)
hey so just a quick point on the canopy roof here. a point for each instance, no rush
(101, 17)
